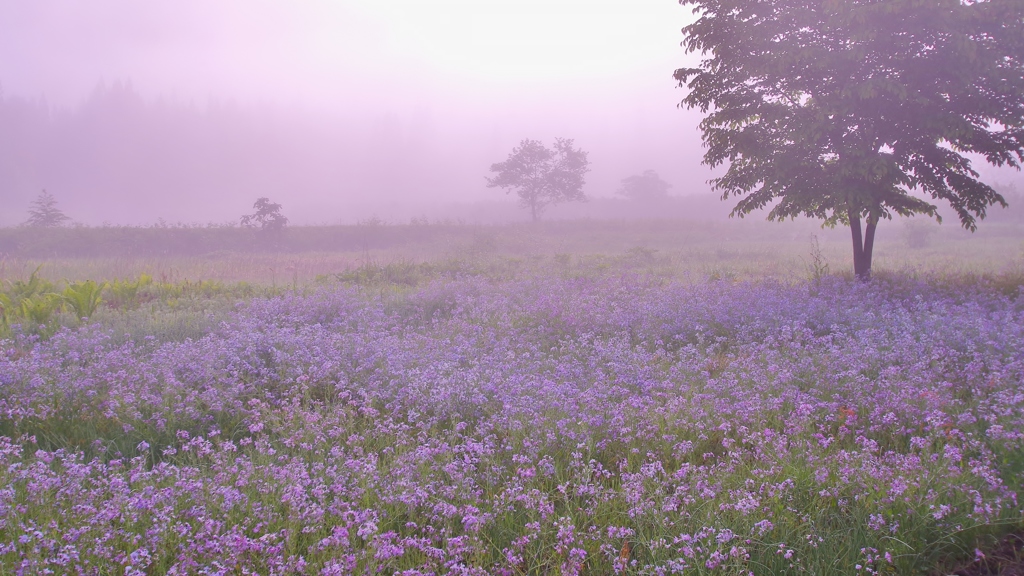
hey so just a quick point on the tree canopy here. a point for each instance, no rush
(646, 186)
(542, 176)
(851, 110)
(268, 216)
(43, 212)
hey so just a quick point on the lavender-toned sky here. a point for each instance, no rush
(462, 80)
(338, 109)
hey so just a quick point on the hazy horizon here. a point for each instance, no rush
(128, 112)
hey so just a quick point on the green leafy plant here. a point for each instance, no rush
(125, 294)
(32, 302)
(21, 289)
(84, 297)
(38, 309)
(5, 312)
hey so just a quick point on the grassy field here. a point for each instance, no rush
(563, 398)
(737, 249)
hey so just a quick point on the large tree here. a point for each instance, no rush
(542, 176)
(854, 110)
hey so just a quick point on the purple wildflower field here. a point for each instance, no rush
(597, 425)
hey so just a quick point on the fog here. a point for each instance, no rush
(132, 112)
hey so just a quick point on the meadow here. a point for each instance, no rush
(563, 398)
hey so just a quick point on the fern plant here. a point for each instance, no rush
(84, 297)
(40, 308)
(18, 290)
(125, 293)
(5, 312)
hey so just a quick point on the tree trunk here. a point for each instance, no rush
(863, 245)
(869, 246)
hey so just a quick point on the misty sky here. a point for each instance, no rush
(463, 81)
(331, 53)
(472, 76)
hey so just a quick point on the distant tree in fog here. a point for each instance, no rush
(541, 176)
(647, 186)
(267, 217)
(43, 212)
(843, 110)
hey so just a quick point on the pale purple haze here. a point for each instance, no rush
(336, 109)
